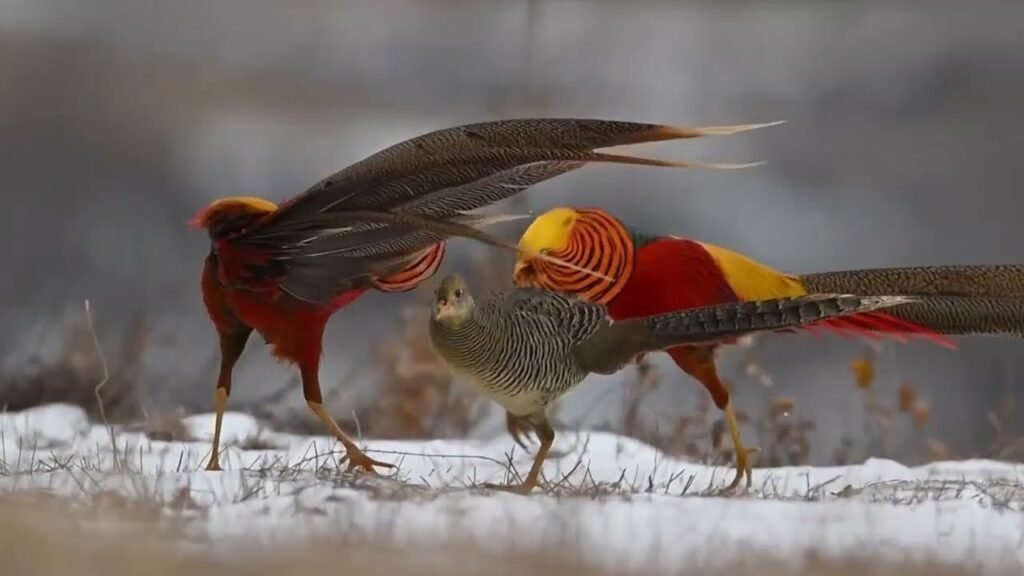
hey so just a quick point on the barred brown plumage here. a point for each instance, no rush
(954, 300)
(979, 281)
(526, 347)
(966, 315)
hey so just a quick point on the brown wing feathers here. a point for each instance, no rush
(337, 223)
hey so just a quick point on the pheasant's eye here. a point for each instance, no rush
(458, 292)
(441, 301)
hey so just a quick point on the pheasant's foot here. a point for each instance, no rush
(519, 428)
(214, 465)
(742, 453)
(523, 489)
(743, 469)
(358, 459)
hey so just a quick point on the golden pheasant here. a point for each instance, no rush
(644, 274)
(381, 224)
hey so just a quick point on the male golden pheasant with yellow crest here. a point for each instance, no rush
(381, 224)
(646, 274)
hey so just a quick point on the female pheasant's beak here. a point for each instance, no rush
(443, 308)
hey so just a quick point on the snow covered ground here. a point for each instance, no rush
(616, 500)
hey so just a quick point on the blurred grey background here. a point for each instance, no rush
(120, 118)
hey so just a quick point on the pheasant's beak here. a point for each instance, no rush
(197, 221)
(442, 308)
(523, 274)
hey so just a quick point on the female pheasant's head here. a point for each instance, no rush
(229, 216)
(453, 303)
(586, 237)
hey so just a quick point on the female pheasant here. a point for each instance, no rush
(527, 347)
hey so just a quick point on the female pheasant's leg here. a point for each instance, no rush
(231, 346)
(519, 428)
(356, 457)
(546, 435)
(699, 362)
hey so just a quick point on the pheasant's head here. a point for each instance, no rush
(596, 246)
(453, 303)
(228, 216)
(549, 233)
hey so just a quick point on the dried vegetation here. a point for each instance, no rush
(418, 398)
(46, 536)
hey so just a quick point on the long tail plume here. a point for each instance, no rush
(621, 341)
(482, 220)
(676, 132)
(955, 300)
(988, 281)
(468, 147)
(961, 315)
(716, 323)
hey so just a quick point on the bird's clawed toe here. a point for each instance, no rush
(743, 469)
(357, 460)
(521, 489)
(520, 429)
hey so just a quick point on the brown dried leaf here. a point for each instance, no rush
(995, 421)
(863, 372)
(937, 449)
(908, 397)
(782, 406)
(921, 413)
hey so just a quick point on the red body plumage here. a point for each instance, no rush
(244, 290)
(672, 273)
(293, 329)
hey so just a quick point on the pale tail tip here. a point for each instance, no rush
(733, 129)
(491, 219)
(886, 301)
(507, 217)
(730, 165)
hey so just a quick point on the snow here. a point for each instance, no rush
(53, 424)
(616, 499)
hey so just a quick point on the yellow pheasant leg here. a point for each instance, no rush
(356, 457)
(519, 428)
(546, 435)
(220, 400)
(699, 362)
(231, 346)
(742, 453)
